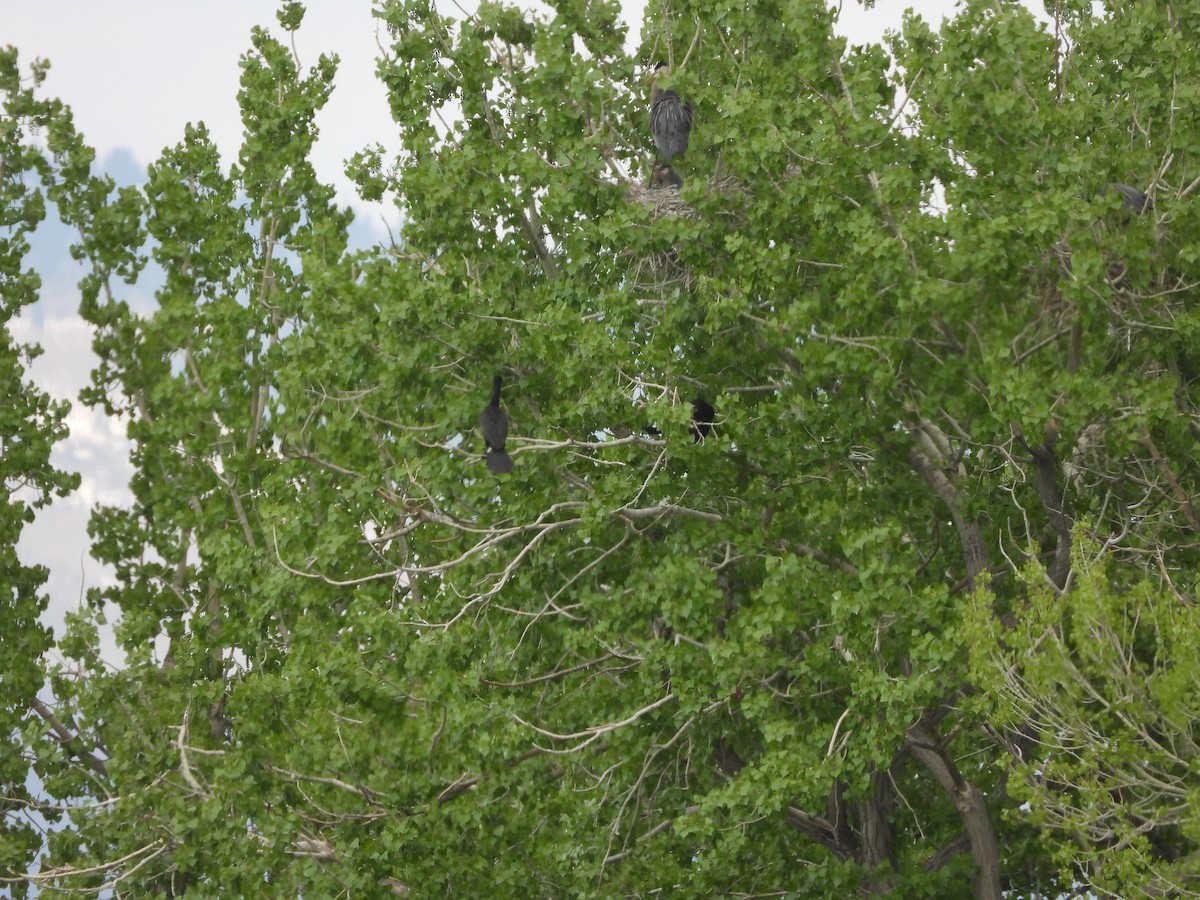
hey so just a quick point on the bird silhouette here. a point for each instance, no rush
(493, 422)
(1135, 201)
(702, 419)
(670, 117)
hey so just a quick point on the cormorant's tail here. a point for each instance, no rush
(499, 462)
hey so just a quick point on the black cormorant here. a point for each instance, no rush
(670, 117)
(493, 422)
(702, 419)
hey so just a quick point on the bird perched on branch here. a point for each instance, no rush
(1135, 201)
(493, 422)
(702, 419)
(702, 422)
(670, 117)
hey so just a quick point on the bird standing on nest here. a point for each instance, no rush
(493, 422)
(663, 176)
(670, 117)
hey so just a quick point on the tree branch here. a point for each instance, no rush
(69, 741)
(969, 801)
(970, 535)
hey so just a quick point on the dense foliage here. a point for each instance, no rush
(30, 424)
(918, 614)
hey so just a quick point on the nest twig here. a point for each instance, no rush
(662, 200)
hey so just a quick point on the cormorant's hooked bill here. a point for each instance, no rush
(670, 117)
(493, 422)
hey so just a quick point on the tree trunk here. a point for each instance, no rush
(969, 801)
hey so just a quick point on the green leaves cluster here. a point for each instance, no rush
(1094, 694)
(30, 424)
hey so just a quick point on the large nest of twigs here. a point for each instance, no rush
(663, 201)
(659, 274)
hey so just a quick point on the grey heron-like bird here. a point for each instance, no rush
(1135, 200)
(670, 117)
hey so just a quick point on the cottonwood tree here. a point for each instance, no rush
(31, 423)
(819, 652)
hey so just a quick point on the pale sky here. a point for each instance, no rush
(134, 72)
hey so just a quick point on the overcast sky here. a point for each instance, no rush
(134, 72)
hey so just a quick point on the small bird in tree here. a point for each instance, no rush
(493, 422)
(1135, 201)
(702, 419)
(663, 176)
(670, 117)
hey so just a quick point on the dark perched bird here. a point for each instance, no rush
(1135, 201)
(219, 723)
(493, 422)
(702, 419)
(670, 117)
(663, 176)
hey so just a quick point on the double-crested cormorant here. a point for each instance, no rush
(1135, 201)
(663, 176)
(702, 419)
(702, 422)
(493, 422)
(670, 117)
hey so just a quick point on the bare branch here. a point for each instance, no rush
(589, 735)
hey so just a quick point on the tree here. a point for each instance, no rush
(30, 424)
(954, 404)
